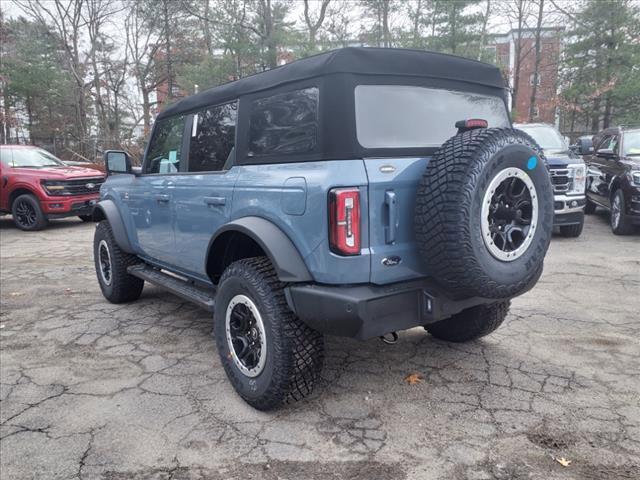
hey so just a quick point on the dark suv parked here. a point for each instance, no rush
(341, 194)
(614, 177)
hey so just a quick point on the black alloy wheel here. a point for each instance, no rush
(27, 213)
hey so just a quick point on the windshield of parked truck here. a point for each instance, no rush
(402, 116)
(547, 136)
(29, 158)
(631, 143)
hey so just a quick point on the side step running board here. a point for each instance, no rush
(202, 297)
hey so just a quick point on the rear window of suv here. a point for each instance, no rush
(400, 116)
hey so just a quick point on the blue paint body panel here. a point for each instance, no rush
(171, 219)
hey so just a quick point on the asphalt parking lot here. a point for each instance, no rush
(94, 390)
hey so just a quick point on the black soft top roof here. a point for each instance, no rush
(352, 60)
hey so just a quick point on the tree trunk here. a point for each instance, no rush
(167, 43)
(611, 48)
(595, 116)
(29, 120)
(536, 68)
(518, 55)
(416, 25)
(5, 135)
(454, 28)
(207, 28)
(386, 36)
(270, 41)
(146, 111)
(483, 32)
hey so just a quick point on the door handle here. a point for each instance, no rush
(391, 202)
(213, 201)
(161, 197)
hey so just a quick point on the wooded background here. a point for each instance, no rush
(82, 76)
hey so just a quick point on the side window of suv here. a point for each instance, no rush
(213, 138)
(165, 147)
(284, 123)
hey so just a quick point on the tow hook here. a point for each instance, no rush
(389, 341)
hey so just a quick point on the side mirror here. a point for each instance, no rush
(116, 161)
(605, 152)
(585, 147)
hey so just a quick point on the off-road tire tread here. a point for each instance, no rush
(299, 352)
(470, 324)
(125, 287)
(571, 231)
(443, 205)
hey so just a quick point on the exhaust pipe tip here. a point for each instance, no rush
(390, 338)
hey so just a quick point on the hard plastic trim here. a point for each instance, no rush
(110, 212)
(283, 254)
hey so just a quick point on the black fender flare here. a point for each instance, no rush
(107, 209)
(283, 254)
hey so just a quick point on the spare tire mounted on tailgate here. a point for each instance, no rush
(484, 213)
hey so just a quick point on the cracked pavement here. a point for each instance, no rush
(94, 390)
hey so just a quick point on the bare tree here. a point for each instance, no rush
(483, 30)
(518, 13)
(314, 25)
(65, 17)
(536, 68)
(143, 44)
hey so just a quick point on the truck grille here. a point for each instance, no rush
(560, 179)
(82, 186)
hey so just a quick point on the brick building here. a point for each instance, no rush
(504, 48)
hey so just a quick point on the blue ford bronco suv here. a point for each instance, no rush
(355, 193)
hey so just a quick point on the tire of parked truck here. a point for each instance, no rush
(27, 213)
(484, 213)
(111, 264)
(270, 356)
(620, 224)
(572, 231)
(589, 207)
(470, 324)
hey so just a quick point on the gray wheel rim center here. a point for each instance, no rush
(509, 214)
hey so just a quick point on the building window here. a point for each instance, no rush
(490, 54)
(503, 60)
(533, 78)
(284, 123)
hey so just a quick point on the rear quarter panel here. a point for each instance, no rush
(294, 196)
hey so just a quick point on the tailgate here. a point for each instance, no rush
(392, 191)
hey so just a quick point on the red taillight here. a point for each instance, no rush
(344, 221)
(471, 123)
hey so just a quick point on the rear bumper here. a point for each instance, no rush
(366, 311)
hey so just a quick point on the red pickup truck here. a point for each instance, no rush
(36, 186)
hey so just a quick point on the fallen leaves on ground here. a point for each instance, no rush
(413, 378)
(563, 461)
